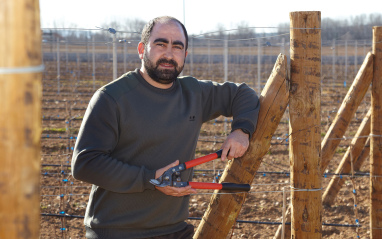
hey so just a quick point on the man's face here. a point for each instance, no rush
(165, 54)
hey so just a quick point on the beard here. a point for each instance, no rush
(165, 76)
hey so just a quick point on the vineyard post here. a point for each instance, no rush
(282, 48)
(344, 115)
(250, 58)
(346, 63)
(87, 51)
(86, 54)
(258, 65)
(376, 138)
(93, 59)
(364, 47)
(225, 71)
(20, 118)
(108, 52)
(356, 58)
(124, 55)
(78, 70)
(237, 75)
(209, 58)
(66, 54)
(58, 65)
(114, 56)
(225, 62)
(192, 57)
(305, 109)
(334, 76)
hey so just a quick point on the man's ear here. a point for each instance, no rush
(141, 49)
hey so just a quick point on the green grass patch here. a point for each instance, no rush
(55, 130)
(340, 150)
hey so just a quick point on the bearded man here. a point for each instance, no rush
(145, 122)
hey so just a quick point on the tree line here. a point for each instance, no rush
(352, 28)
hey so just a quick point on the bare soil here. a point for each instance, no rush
(63, 195)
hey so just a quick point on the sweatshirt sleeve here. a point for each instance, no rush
(92, 160)
(231, 99)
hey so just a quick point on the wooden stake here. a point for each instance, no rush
(20, 118)
(305, 124)
(284, 217)
(376, 139)
(347, 110)
(223, 209)
(354, 150)
(342, 120)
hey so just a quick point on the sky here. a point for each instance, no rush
(199, 16)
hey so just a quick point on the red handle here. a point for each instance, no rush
(197, 185)
(221, 186)
(204, 159)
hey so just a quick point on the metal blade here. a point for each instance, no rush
(156, 183)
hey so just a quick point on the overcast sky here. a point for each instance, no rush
(199, 15)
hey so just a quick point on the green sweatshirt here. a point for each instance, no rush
(131, 129)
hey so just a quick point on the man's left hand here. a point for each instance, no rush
(236, 144)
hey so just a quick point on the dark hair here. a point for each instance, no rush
(146, 32)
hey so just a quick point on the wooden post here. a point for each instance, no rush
(192, 56)
(334, 75)
(115, 62)
(305, 124)
(283, 213)
(223, 209)
(93, 60)
(58, 66)
(344, 115)
(226, 55)
(258, 65)
(355, 149)
(20, 118)
(376, 139)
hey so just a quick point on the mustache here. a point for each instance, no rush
(172, 62)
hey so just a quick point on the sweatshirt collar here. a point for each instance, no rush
(148, 85)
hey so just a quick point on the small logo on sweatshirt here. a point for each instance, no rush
(192, 118)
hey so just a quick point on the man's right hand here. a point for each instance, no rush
(173, 191)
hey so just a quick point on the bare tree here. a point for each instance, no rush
(244, 30)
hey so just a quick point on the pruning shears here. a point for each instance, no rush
(171, 177)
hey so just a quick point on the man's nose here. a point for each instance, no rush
(169, 53)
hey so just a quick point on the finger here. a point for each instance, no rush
(177, 192)
(182, 191)
(224, 153)
(172, 165)
(242, 152)
(231, 154)
(159, 172)
(192, 191)
(239, 154)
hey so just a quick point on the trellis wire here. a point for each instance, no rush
(256, 43)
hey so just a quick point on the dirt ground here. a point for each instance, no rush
(262, 212)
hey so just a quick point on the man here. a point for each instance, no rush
(145, 122)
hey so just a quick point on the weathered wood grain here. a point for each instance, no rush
(20, 119)
(376, 138)
(224, 208)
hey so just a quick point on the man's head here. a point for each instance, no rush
(163, 50)
(148, 28)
